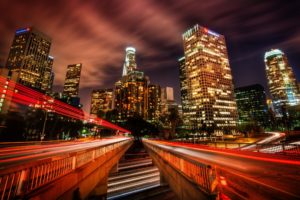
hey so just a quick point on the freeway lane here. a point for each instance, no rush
(271, 172)
(274, 136)
(23, 154)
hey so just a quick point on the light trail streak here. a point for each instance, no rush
(23, 95)
(257, 156)
(44, 151)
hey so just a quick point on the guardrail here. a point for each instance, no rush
(20, 180)
(217, 144)
(288, 149)
(198, 173)
(282, 148)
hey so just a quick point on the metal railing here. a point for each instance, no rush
(20, 180)
(200, 174)
(281, 148)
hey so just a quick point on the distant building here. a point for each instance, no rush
(101, 101)
(252, 104)
(131, 91)
(183, 87)
(167, 99)
(206, 81)
(72, 80)
(48, 77)
(154, 101)
(281, 80)
(29, 57)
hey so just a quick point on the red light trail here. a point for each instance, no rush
(19, 94)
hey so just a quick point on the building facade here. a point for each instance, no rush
(206, 81)
(101, 101)
(72, 80)
(281, 80)
(154, 101)
(48, 78)
(252, 104)
(167, 99)
(29, 57)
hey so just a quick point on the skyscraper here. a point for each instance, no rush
(48, 77)
(131, 91)
(154, 100)
(130, 63)
(281, 80)
(71, 87)
(206, 81)
(252, 104)
(101, 101)
(28, 57)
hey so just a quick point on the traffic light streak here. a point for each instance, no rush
(20, 94)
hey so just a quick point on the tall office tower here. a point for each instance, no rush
(206, 81)
(131, 91)
(183, 87)
(252, 104)
(71, 87)
(28, 56)
(281, 80)
(167, 99)
(154, 100)
(130, 63)
(101, 101)
(47, 80)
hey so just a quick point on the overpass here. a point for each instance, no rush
(195, 171)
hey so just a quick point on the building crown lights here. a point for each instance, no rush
(273, 52)
(130, 49)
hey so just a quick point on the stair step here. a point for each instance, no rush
(132, 180)
(135, 166)
(134, 186)
(133, 173)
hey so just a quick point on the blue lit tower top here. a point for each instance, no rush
(130, 63)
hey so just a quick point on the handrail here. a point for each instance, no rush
(20, 180)
(201, 174)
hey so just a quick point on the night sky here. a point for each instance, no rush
(97, 32)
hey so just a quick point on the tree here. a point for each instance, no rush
(14, 127)
(140, 127)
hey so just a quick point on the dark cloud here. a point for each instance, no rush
(96, 33)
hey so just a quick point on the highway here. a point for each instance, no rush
(269, 176)
(273, 136)
(22, 153)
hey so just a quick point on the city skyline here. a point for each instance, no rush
(159, 49)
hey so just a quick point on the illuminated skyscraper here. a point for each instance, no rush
(101, 101)
(281, 80)
(252, 104)
(47, 81)
(71, 87)
(28, 57)
(154, 100)
(206, 81)
(131, 91)
(130, 63)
